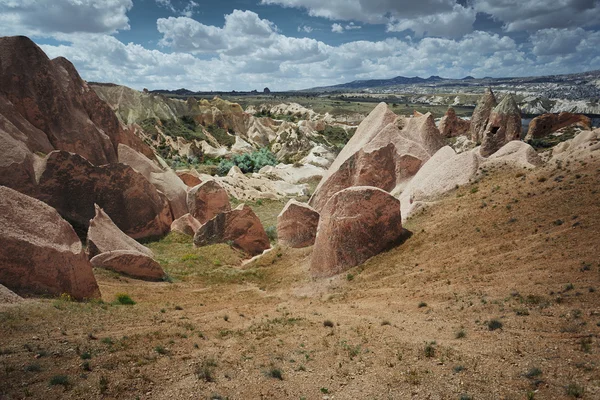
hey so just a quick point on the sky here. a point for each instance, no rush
(297, 44)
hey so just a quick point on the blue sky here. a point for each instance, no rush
(296, 44)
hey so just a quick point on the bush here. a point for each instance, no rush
(251, 162)
(271, 233)
(124, 299)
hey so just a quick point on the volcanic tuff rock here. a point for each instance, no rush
(297, 225)
(481, 115)
(72, 185)
(293, 173)
(356, 224)
(503, 126)
(186, 224)
(451, 125)
(190, 177)
(385, 152)
(240, 226)
(39, 251)
(581, 147)
(207, 200)
(7, 296)
(517, 154)
(131, 263)
(53, 98)
(544, 125)
(103, 235)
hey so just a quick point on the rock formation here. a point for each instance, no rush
(190, 177)
(73, 185)
(240, 226)
(503, 126)
(186, 224)
(356, 224)
(451, 125)
(385, 151)
(39, 251)
(7, 296)
(103, 236)
(131, 263)
(297, 225)
(516, 154)
(207, 200)
(481, 115)
(543, 125)
(293, 173)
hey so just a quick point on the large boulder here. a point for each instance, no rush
(240, 226)
(297, 225)
(206, 200)
(445, 171)
(72, 185)
(190, 177)
(166, 181)
(7, 296)
(504, 125)
(481, 115)
(186, 224)
(385, 152)
(580, 147)
(103, 235)
(545, 124)
(451, 125)
(356, 224)
(131, 263)
(515, 154)
(39, 251)
(293, 173)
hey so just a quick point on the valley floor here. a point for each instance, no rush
(495, 296)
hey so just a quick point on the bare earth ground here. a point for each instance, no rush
(517, 251)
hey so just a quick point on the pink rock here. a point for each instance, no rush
(356, 224)
(481, 115)
(297, 225)
(39, 251)
(186, 224)
(131, 263)
(240, 226)
(451, 125)
(504, 126)
(206, 200)
(190, 178)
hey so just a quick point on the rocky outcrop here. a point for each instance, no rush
(385, 152)
(186, 224)
(504, 125)
(546, 124)
(481, 115)
(53, 98)
(166, 181)
(297, 225)
(39, 251)
(241, 146)
(207, 200)
(583, 146)
(293, 173)
(131, 263)
(451, 125)
(319, 156)
(73, 185)
(356, 224)
(516, 154)
(7, 296)
(103, 236)
(240, 226)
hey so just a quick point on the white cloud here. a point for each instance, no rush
(352, 26)
(305, 28)
(531, 15)
(455, 23)
(337, 28)
(54, 17)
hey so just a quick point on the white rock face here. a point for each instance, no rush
(293, 174)
(241, 146)
(319, 156)
(213, 152)
(463, 144)
(517, 154)
(582, 146)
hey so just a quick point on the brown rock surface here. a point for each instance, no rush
(131, 263)
(103, 235)
(7, 296)
(240, 226)
(39, 251)
(481, 115)
(356, 224)
(297, 225)
(504, 125)
(73, 185)
(545, 124)
(206, 200)
(191, 178)
(451, 125)
(385, 151)
(186, 224)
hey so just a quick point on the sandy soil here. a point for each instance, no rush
(517, 251)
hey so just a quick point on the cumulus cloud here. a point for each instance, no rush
(337, 28)
(305, 28)
(63, 17)
(531, 15)
(455, 23)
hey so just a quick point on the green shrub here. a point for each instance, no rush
(271, 233)
(62, 380)
(249, 162)
(124, 299)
